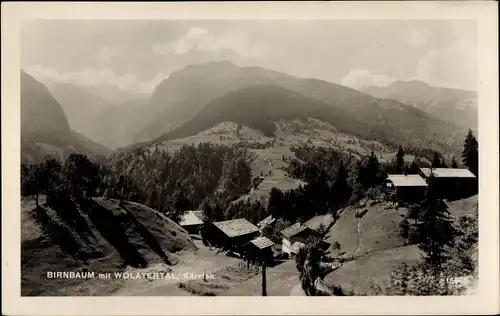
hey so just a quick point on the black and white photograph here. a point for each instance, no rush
(249, 157)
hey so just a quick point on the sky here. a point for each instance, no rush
(138, 54)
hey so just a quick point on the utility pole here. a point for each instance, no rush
(264, 290)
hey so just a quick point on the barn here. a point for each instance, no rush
(407, 188)
(295, 236)
(191, 222)
(259, 250)
(452, 183)
(231, 234)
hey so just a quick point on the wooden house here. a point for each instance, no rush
(231, 234)
(259, 250)
(452, 182)
(191, 222)
(294, 237)
(407, 188)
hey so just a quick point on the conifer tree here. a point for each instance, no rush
(454, 163)
(470, 153)
(400, 160)
(436, 160)
(435, 229)
(340, 191)
(369, 172)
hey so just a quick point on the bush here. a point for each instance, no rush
(404, 228)
(280, 255)
(419, 280)
(413, 236)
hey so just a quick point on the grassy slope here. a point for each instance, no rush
(380, 246)
(100, 237)
(378, 230)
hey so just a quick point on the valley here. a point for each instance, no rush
(231, 143)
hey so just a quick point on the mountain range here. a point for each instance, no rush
(198, 97)
(450, 105)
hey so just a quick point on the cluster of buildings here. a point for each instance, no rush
(449, 183)
(242, 237)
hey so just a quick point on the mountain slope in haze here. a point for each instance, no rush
(111, 124)
(116, 125)
(188, 91)
(44, 126)
(81, 107)
(115, 95)
(39, 109)
(450, 105)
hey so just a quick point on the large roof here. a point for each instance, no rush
(294, 230)
(236, 227)
(266, 221)
(411, 180)
(448, 173)
(191, 218)
(262, 242)
(316, 221)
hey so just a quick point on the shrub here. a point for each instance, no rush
(419, 280)
(404, 228)
(280, 255)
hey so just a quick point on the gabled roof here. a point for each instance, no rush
(296, 246)
(266, 221)
(262, 242)
(190, 218)
(448, 173)
(316, 221)
(411, 180)
(236, 227)
(293, 230)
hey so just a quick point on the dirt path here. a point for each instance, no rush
(297, 291)
(204, 261)
(281, 280)
(358, 238)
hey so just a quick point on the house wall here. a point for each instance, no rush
(410, 194)
(456, 188)
(286, 246)
(218, 239)
(192, 229)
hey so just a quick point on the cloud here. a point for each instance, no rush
(455, 66)
(93, 77)
(105, 54)
(363, 78)
(202, 40)
(452, 67)
(417, 38)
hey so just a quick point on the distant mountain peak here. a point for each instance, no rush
(412, 82)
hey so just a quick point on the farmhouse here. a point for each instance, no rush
(408, 188)
(294, 237)
(268, 221)
(317, 222)
(231, 234)
(259, 250)
(191, 222)
(452, 183)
